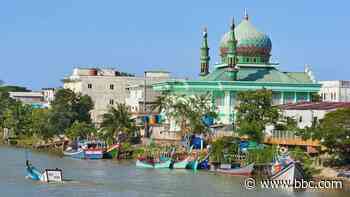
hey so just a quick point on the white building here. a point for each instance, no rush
(35, 99)
(308, 113)
(49, 94)
(141, 98)
(335, 91)
(107, 87)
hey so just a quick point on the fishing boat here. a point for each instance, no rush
(86, 150)
(289, 173)
(112, 152)
(203, 163)
(182, 164)
(77, 154)
(193, 164)
(153, 164)
(93, 153)
(162, 160)
(48, 175)
(239, 171)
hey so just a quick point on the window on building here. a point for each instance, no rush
(111, 102)
(111, 86)
(254, 60)
(335, 96)
(300, 119)
(89, 85)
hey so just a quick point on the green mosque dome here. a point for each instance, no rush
(252, 46)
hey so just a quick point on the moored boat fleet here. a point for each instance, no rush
(283, 167)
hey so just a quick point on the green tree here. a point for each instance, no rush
(117, 120)
(80, 129)
(254, 112)
(18, 118)
(160, 102)
(333, 131)
(6, 101)
(40, 123)
(315, 97)
(67, 108)
(188, 111)
(200, 106)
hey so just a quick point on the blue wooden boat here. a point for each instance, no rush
(203, 163)
(32, 172)
(86, 150)
(48, 175)
(77, 154)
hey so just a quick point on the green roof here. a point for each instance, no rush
(258, 74)
(300, 76)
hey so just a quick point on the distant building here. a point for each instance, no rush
(335, 91)
(141, 98)
(49, 94)
(308, 113)
(35, 99)
(107, 87)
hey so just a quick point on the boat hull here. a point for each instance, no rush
(49, 175)
(85, 154)
(165, 164)
(112, 152)
(144, 164)
(33, 173)
(193, 165)
(289, 173)
(243, 171)
(180, 164)
(93, 154)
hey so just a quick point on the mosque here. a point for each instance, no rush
(245, 65)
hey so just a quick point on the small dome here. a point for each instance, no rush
(250, 42)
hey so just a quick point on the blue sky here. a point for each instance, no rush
(41, 41)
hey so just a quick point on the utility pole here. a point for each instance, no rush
(144, 93)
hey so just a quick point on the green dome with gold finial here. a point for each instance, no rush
(253, 46)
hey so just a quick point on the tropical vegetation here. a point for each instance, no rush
(188, 111)
(254, 112)
(117, 121)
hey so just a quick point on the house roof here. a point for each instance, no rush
(315, 105)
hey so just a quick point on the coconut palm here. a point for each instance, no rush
(115, 121)
(161, 102)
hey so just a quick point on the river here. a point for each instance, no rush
(121, 178)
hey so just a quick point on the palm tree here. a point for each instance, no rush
(115, 121)
(161, 102)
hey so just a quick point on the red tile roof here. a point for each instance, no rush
(315, 105)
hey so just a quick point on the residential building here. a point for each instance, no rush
(335, 91)
(107, 87)
(35, 99)
(308, 113)
(141, 98)
(49, 94)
